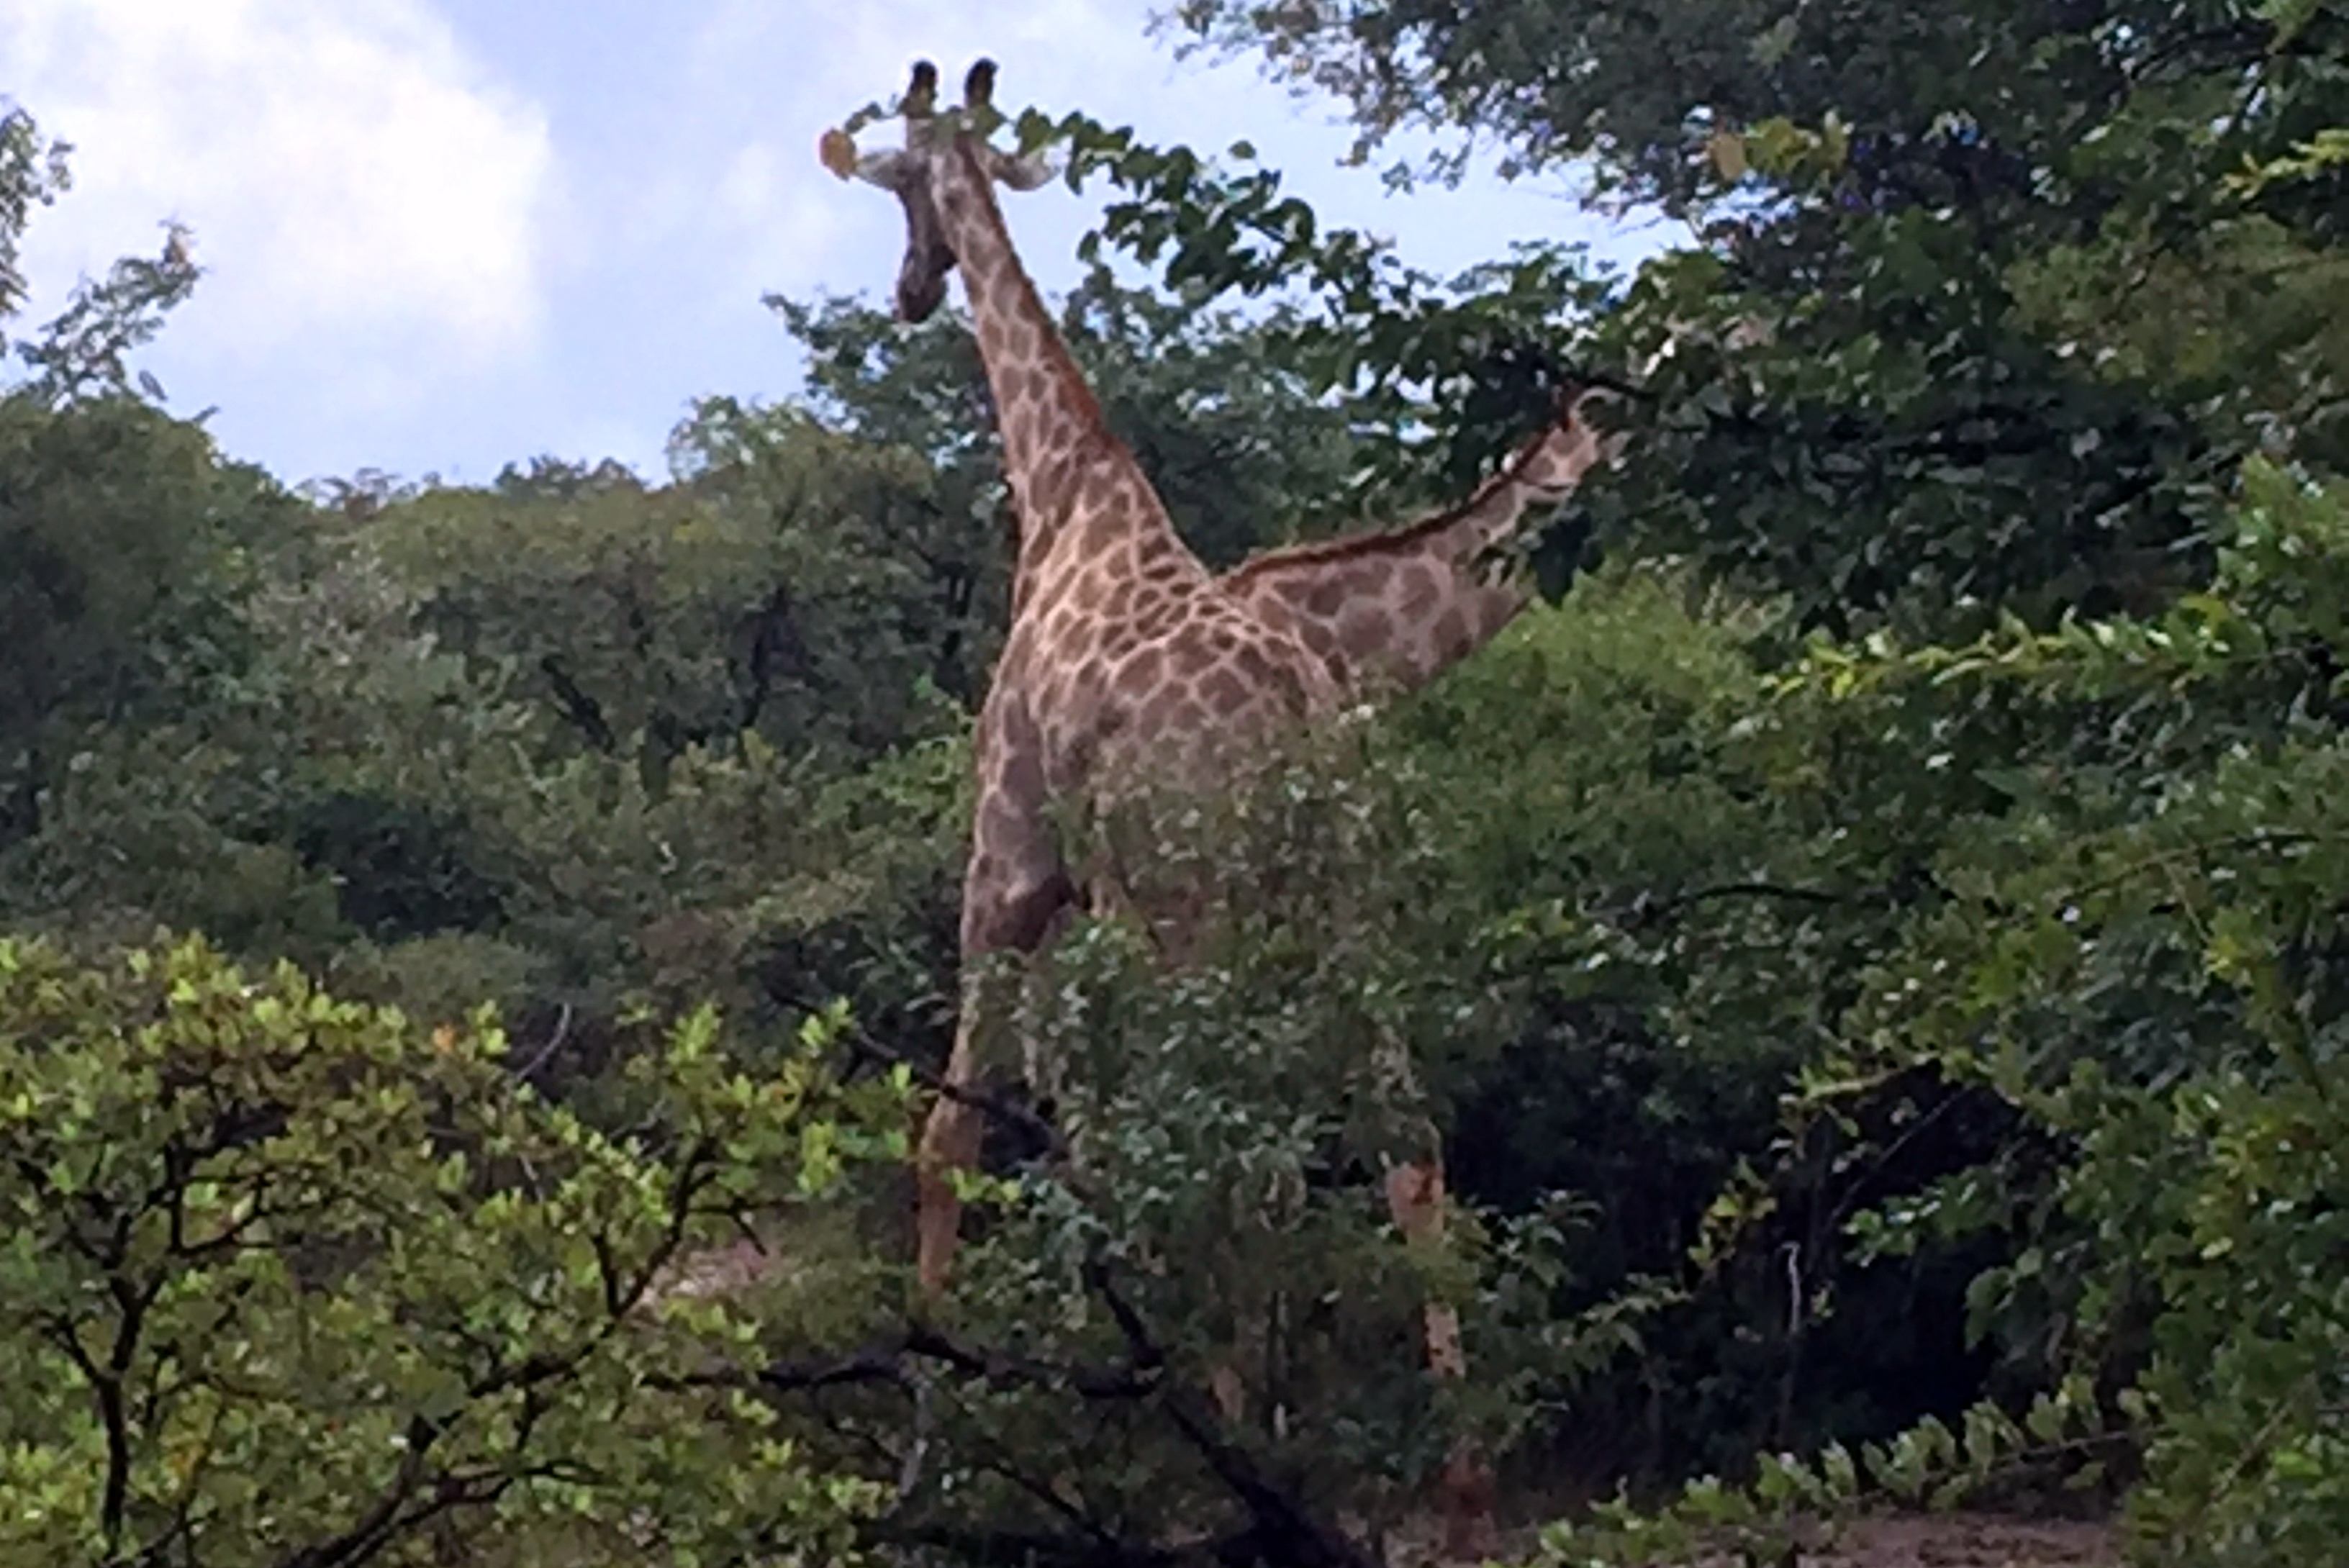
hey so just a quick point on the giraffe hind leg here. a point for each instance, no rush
(1416, 1199)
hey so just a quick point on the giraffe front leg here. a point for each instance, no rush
(950, 1140)
(1016, 895)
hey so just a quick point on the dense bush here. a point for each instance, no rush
(289, 1280)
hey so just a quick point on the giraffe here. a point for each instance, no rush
(1126, 659)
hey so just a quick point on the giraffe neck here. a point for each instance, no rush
(1398, 608)
(1050, 421)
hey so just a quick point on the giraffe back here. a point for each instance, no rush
(1136, 665)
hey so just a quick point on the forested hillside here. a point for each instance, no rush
(1877, 936)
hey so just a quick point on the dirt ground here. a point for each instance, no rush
(1968, 1541)
(1935, 1540)
(1956, 1541)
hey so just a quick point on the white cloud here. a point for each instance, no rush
(766, 213)
(354, 181)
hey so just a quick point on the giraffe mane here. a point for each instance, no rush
(1057, 361)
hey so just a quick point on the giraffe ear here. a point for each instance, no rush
(886, 169)
(836, 150)
(1020, 172)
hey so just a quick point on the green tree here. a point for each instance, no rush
(124, 547)
(1939, 229)
(85, 351)
(292, 1281)
(123, 539)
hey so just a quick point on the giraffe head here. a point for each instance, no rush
(936, 145)
(1574, 443)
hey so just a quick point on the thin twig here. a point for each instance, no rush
(546, 1052)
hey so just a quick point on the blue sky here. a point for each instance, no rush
(444, 234)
